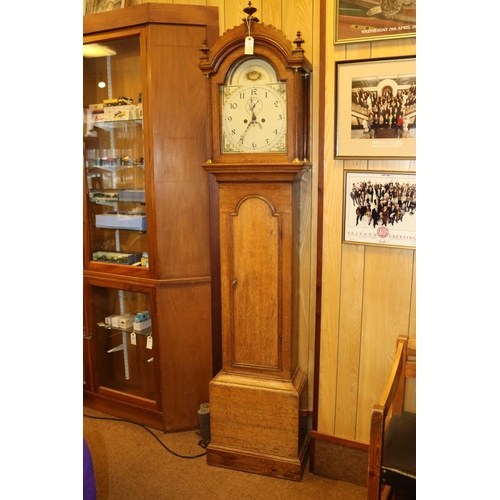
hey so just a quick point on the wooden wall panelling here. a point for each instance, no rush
(351, 165)
(220, 4)
(390, 48)
(385, 316)
(331, 393)
(358, 51)
(271, 13)
(390, 165)
(330, 253)
(351, 307)
(233, 12)
(330, 352)
(298, 16)
(209, 3)
(410, 403)
(307, 278)
(330, 315)
(317, 110)
(347, 352)
(412, 333)
(183, 2)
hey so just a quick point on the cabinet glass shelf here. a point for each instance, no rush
(125, 229)
(124, 364)
(146, 332)
(114, 149)
(116, 125)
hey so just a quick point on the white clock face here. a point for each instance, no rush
(254, 118)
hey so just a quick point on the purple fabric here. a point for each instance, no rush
(89, 492)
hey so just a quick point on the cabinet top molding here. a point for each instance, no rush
(150, 13)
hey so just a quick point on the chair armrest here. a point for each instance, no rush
(394, 389)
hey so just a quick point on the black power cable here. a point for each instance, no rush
(149, 430)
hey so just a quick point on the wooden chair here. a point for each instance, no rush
(392, 453)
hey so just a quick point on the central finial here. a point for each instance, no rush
(250, 11)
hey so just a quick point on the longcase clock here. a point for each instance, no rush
(258, 141)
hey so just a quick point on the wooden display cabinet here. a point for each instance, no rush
(146, 213)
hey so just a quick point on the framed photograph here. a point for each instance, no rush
(376, 108)
(96, 6)
(369, 20)
(380, 208)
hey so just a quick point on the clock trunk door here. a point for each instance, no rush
(254, 271)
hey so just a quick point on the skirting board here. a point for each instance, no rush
(338, 459)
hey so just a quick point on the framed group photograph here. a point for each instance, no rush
(380, 208)
(376, 108)
(369, 20)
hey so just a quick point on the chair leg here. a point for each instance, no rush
(387, 493)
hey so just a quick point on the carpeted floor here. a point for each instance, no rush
(130, 464)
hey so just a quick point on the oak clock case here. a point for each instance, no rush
(147, 299)
(259, 145)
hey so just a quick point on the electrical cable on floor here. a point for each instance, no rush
(149, 430)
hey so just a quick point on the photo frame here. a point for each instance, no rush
(380, 208)
(369, 20)
(376, 108)
(97, 6)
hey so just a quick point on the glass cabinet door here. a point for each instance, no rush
(114, 152)
(124, 342)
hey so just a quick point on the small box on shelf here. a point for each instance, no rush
(117, 257)
(131, 195)
(98, 118)
(121, 220)
(120, 321)
(126, 321)
(104, 195)
(96, 108)
(108, 320)
(120, 113)
(140, 326)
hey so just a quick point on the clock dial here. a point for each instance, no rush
(254, 118)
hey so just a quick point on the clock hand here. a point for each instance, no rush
(253, 122)
(252, 106)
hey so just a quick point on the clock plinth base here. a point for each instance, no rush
(256, 425)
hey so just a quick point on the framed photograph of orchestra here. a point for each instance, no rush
(380, 208)
(369, 20)
(376, 108)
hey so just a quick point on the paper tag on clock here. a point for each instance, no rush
(249, 45)
(133, 339)
(149, 342)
